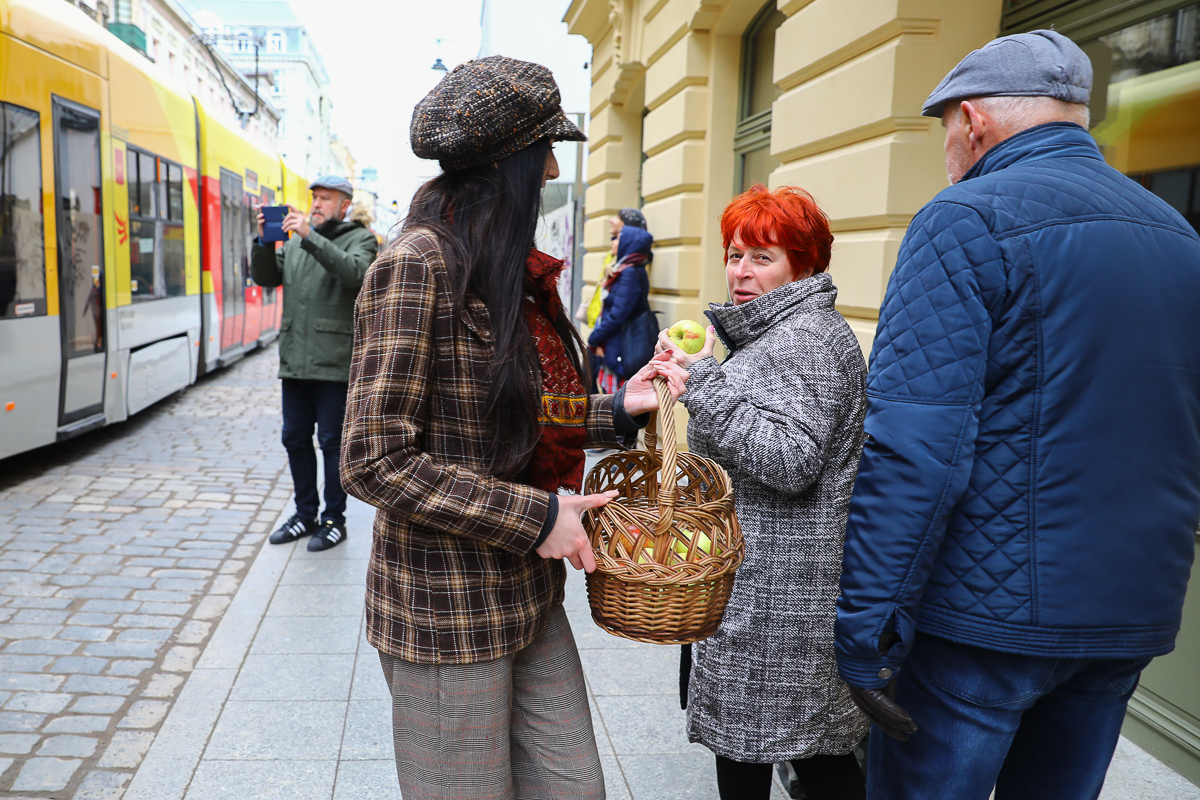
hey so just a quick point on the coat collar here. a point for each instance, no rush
(740, 325)
(1051, 140)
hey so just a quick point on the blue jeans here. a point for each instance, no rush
(1033, 728)
(320, 404)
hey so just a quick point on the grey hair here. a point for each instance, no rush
(1013, 114)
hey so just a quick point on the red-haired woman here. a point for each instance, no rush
(783, 413)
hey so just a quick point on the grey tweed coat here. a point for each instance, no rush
(784, 415)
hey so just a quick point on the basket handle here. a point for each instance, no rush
(666, 492)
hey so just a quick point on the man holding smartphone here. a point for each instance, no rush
(321, 269)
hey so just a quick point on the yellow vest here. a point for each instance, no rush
(597, 301)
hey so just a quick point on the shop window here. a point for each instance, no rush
(1146, 103)
(22, 249)
(157, 252)
(752, 139)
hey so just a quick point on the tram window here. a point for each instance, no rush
(147, 184)
(174, 191)
(131, 179)
(142, 252)
(22, 253)
(157, 252)
(174, 271)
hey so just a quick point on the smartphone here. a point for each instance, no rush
(273, 223)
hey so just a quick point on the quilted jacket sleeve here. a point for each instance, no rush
(924, 391)
(387, 408)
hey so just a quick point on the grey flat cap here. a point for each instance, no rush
(1036, 64)
(335, 182)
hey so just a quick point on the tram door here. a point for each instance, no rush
(233, 258)
(80, 262)
(266, 293)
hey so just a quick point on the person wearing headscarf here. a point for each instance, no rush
(627, 294)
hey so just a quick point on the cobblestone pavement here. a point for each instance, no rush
(118, 553)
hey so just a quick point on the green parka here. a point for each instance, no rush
(320, 276)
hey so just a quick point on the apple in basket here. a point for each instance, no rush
(703, 544)
(687, 335)
(646, 553)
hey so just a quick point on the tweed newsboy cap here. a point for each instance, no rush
(488, 109)
(1036, 64)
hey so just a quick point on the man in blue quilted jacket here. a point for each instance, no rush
(1021, 531)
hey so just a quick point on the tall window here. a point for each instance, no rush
(156, 246)
(277, 81)
(243, 42)
(22, 253)
(752, 139)
(276, 43)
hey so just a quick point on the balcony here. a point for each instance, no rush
(130, 34)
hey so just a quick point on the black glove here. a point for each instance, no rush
(879, 705)
(881, 709)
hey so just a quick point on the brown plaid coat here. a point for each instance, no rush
(453, 577)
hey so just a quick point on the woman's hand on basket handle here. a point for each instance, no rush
(567, 538)
(665, 345)
(640, 395)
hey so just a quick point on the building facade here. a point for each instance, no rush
(166, 33)
(693, 100)
(293, 66)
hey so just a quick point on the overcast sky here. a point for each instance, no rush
(379, 52)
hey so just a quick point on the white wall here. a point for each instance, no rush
(533, 30)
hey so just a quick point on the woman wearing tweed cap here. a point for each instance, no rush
(784, 415)
(467, 412)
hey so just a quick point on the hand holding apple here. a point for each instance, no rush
(682, 340)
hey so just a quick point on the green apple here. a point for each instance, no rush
(704, 544)
(687, 335)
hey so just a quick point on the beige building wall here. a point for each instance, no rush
(847, 127)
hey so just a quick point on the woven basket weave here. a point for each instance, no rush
(653, 581)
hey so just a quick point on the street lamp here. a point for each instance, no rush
(438, 66)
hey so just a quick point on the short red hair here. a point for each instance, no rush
(787, 217)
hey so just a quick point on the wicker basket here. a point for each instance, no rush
(654, 581)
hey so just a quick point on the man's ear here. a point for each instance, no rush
(978, 126)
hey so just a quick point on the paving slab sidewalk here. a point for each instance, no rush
(288, 700)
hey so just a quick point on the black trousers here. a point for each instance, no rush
(823, 778)
(320, 405)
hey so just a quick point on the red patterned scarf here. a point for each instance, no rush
(558, 458)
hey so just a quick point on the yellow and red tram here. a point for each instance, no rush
(125, 227)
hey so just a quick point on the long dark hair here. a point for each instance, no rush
(486, 218)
